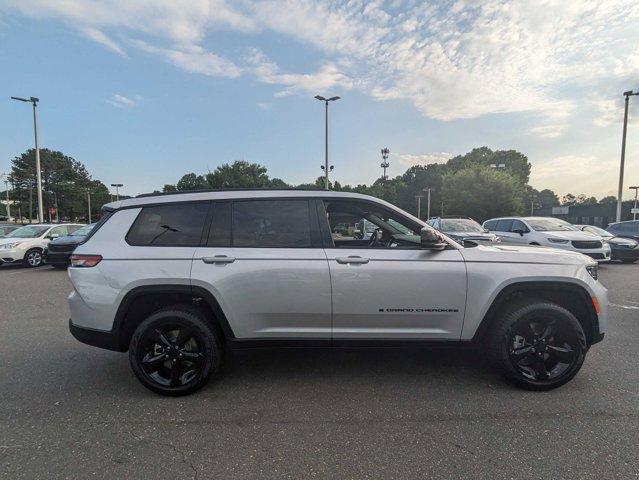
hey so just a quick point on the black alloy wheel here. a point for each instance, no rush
(174, 352)
(538, 345)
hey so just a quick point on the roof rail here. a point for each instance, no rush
(208, 190)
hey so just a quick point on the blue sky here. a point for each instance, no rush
(144, 91)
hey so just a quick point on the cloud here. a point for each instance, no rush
(451, 60)
(410, 159)
(121, 101)
(548, 131)
(576, 174)
(99, 37)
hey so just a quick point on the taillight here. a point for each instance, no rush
(85, 260)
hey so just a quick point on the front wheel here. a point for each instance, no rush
(538, 345)
(33, 258)
(174, 352)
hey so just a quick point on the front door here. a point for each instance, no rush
(384, 285)
(264, 264)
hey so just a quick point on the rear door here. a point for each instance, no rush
(503, 231)
(384, 291)
(264, 263)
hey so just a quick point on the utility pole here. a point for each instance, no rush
(634, 210)
(325, 167)
(627, 94)
(385, 164)
(34, 101)
(6, 187)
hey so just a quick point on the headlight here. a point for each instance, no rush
(558, 240)
(593, 270)
(8, 246)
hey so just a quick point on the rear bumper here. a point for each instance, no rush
(96, 338)
(57, 258)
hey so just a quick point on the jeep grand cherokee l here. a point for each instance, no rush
(176, 279)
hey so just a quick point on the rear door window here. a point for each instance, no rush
(504, 225)
(178, 225)
(271, 223)
(519, 225)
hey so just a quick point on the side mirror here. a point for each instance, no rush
(431, 240)
(519, 231)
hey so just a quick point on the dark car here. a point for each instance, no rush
(461, 229)
(629, 229)
(624, 249)
(4, 229)
(60, 249)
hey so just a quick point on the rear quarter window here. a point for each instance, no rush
(177, 225)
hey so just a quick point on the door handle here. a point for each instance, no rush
(218, 259)
(352, 259)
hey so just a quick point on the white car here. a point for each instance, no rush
(26, 244)
(548, 232)
(175, 279)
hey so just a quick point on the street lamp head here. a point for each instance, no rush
(117, 185)
(332, 99)
(20, 99)
(630, 93)
(320, 98)
(634, 187)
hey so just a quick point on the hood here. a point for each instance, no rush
(5, 240)
(68, 240)
(618, 241)
(524, 254)
(572, 235)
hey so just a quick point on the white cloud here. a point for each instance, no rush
(410, 159)
(450, 60)
(121, 101)
(99, 37)
(548, 131)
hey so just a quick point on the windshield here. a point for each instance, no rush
(31, 231)
(84, 231)
(549, 225)
(460, 225)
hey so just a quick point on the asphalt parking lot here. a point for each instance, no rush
(72, 411)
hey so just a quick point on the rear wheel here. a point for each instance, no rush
(174, 352)
(538, 345)
(33, 258)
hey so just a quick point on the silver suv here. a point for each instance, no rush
(177, 279)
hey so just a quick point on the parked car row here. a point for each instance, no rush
(618, 242)
(34, 244)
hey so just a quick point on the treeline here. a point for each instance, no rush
(482, 183)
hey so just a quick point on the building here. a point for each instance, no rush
(599, 215)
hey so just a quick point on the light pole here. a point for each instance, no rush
(117, 190)
(34, 101)
(634, 210)
(325, 167)
(497, 166)
(627, 94)
(6, 187)
(419, 205)
(385, 164)
(427, 189)
(89, 204)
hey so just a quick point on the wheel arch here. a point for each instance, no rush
(571, 296)
(142, 301)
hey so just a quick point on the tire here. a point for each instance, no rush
(537, 345)
(33, 258)
(175, 339)
(628, 260)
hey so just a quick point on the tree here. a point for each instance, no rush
(609, 200)
(481, 192)
(191, 181)
(514, 162)
(241, 174)
(547, 198)
(65, 183)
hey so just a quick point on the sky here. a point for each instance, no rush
(143, 91)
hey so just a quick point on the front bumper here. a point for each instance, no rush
(95, 338)
(11, 256)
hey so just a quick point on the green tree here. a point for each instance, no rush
(65, 183)
(481, 192)
(547, 198)
(514, 162)
(609, 200)
(241, 174)
(191, 181)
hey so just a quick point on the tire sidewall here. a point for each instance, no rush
(546, 311)
(205, 336)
